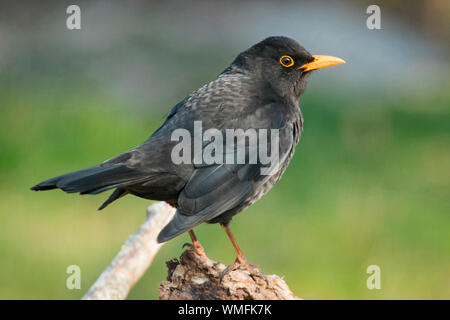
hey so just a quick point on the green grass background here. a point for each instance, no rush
(369, 184)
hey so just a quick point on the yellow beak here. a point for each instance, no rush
(321, 62)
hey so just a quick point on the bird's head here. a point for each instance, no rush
(282, 63)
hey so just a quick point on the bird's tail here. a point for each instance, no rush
(92, 180)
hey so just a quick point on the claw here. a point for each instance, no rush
(199, 249)
(186, 244)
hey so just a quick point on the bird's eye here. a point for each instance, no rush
(286, 61)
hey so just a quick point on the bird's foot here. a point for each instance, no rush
(241, 263)
(198, 248)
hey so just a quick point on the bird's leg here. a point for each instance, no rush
(197, 246)
(240, 259)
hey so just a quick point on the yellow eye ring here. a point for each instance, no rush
(286, 61)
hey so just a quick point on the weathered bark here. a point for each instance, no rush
(195, 277)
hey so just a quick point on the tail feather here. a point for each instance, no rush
(118, 193)
(92, 180)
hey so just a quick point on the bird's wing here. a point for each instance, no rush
(215, 189)
(211, 191)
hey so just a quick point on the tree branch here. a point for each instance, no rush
(196, 277)
(134, 257)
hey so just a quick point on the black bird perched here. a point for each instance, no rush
(259, 90)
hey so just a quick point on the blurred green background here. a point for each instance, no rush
(369, 183)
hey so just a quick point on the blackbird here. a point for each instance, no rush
(259, 90)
